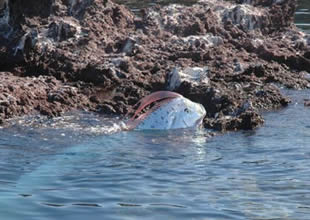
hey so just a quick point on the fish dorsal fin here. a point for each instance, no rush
(154, 97)
(134, 122)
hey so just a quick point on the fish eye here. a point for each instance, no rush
(186, 110)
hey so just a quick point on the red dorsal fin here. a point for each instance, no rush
(153, 97)
(134, 122)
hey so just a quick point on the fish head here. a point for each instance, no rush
(173, 111)
(191, 114)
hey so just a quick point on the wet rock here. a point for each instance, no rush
(247, 120)
(307, 102)
(107, 108)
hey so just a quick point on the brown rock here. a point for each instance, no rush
(56, 56)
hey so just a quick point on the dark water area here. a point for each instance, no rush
(82, 166)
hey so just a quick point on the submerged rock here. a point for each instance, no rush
(96, 55)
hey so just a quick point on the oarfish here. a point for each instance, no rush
(170, 110)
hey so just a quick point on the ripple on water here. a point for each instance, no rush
(179, 174)
(77, 167)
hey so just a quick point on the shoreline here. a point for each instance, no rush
(98, 56)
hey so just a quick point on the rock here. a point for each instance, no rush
(307, 102)
(192, 75)
(44, 94)
(248, 18)
(248, 120)
(128, 46)
(5, 28)
(56, 56)
(204, 41)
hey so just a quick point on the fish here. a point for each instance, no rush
(170, 110)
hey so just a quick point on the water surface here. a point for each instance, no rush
(61, 172)
(302, 18)
(82, 166)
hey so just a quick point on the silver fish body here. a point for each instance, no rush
(177, 113)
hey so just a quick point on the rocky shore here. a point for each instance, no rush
(231, 56)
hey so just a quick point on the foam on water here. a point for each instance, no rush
(73, 123)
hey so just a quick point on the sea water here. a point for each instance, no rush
(56, 170)
(82, 166)
(302, 18)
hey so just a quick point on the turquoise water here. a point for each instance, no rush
(81, 166)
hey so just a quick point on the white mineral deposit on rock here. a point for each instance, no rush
(247, 16)
(208, 40)
(193, 75)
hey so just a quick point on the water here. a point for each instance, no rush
(75, 167)
(57, 171)
(302, 18)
